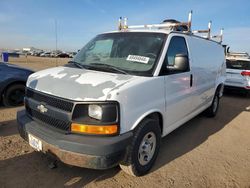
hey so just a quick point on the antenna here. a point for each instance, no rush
(56, 33)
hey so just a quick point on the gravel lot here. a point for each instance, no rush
(202, 153)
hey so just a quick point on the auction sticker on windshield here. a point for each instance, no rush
(35, 142)
(137, 58)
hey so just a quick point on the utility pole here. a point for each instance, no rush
(56, 38)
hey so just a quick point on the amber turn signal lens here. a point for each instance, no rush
(94, 129)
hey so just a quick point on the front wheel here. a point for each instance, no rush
(144, 148)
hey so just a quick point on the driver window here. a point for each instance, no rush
(177, 45)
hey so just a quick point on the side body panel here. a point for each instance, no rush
(208, 67)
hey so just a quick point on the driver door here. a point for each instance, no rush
(178, 85)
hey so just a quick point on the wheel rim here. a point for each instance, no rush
(215, 105)
(16, 97)
(147, 148)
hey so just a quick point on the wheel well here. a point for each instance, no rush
(157, 116)
(11, 84)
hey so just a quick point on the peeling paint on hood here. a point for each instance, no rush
(77, 84)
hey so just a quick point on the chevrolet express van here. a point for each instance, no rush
(121, 94)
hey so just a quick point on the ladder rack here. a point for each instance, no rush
(123, 26)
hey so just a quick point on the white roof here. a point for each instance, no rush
(142, 30)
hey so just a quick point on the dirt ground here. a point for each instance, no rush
(202, 153)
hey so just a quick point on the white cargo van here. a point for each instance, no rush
(121, 94)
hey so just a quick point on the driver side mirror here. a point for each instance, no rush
(181, 63)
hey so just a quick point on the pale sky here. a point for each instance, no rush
(29, 23)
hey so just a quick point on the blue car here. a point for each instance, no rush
(12, 83)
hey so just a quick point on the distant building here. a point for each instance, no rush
(26, 49)
(30, 49)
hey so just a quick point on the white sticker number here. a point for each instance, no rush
(137, 58)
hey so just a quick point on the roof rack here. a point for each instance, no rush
(123, 26)
(208, 31)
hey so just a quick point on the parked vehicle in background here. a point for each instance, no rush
(121, 94)
(45, 54)
(36, 53)
(12, 83)
(55, 53)
(63, 55)
(13, 54)
(72, 54)
(238, 72)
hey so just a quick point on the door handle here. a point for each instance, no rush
(191, 80)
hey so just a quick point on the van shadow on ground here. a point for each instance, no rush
(196, 131)
(31, 169)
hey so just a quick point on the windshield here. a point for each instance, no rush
(130, 52)
(238, 64)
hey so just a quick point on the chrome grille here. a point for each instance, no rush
(50, 100)
(64, 107)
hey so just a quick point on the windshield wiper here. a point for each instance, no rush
(79, 65)
(106, 66)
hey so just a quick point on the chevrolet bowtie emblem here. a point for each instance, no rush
(42, 108)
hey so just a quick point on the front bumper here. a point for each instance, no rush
(77, 150)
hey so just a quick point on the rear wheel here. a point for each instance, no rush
(14, 95)
(213, 109)
(247, 93)
(144, 148)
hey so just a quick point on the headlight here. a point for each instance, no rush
(100, 118)
(95, 111)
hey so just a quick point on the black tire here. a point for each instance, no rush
(132, 164)
(14, 95)
(213, 109)
(247, 93)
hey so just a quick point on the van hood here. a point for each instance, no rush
(77, 84)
